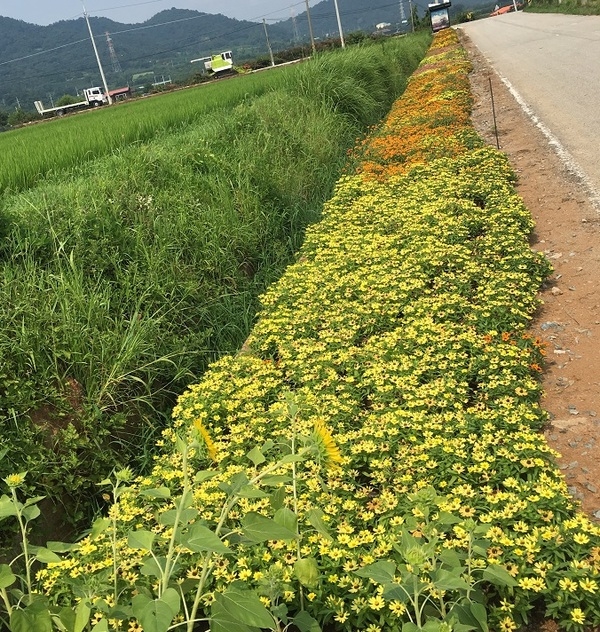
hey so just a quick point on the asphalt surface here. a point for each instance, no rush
(551, 63)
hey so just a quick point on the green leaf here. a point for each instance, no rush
(222, 621)
(35, 618)
(61, 547)
(33, 501)
(67, 617)
(101, 626)
(31, 512)
(139, 603)
(98, 527)
(305, 623)
(7, 507)
(277, 498)
(21, 621)
(156, 616)
(275, 479)
(250, 491)
(171, 598)
(259, 528)
(256, 456)
(480, 613)
(82, 616)
(382, 571)
(286, 518)
(168, 518)
(204, 475)
(396, 592)
(44, 555)
(238, 481)
(446, 518)
(156, 492)
(141, 539)
(469, 617)
(245, 607)
(315, 518)
(498, 575)
(152, 568)
(410, 627)
(307, 571)
(7, 577)
(433, 625)
(449, 557)
(200, 539)
(449, 580)
(292, 458)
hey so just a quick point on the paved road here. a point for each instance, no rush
(553, 62)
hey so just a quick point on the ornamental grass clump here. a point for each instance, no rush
(379, 433)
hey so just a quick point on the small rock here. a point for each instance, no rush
(591, 488)
(573, 410)
(575, 492)
(559, 351)
(572, 465)
(572, 288)
(574, 443)
(596, 514)
(592, 413)
(556, 291)
(550, 325)
(585, 470)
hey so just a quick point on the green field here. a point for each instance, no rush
(136, 239)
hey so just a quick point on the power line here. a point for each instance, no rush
(180, 47)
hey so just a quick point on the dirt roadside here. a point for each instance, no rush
(568, 232)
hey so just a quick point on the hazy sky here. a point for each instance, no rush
(133, 11)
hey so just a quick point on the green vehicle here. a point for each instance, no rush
(217, 65)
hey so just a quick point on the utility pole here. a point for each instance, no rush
(337, 14)
(412, 15)
(268, 43)
(85, 15)
(312, 39)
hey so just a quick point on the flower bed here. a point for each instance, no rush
(372, 459)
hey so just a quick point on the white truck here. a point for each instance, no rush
(93, 97)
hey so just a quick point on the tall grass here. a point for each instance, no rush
(122, 279)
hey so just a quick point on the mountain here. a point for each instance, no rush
(47, 62)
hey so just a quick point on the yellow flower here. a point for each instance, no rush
(325, 440)
(211, 449)
(507, 625)
(377, 602)
(589, 585)
(15, 480)
(578, 616)
(397, 608)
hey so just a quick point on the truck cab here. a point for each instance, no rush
(95, 96)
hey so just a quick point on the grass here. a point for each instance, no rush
(31, 153)
(124, 276)
(579, 7)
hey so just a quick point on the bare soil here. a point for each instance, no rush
(568, 233)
